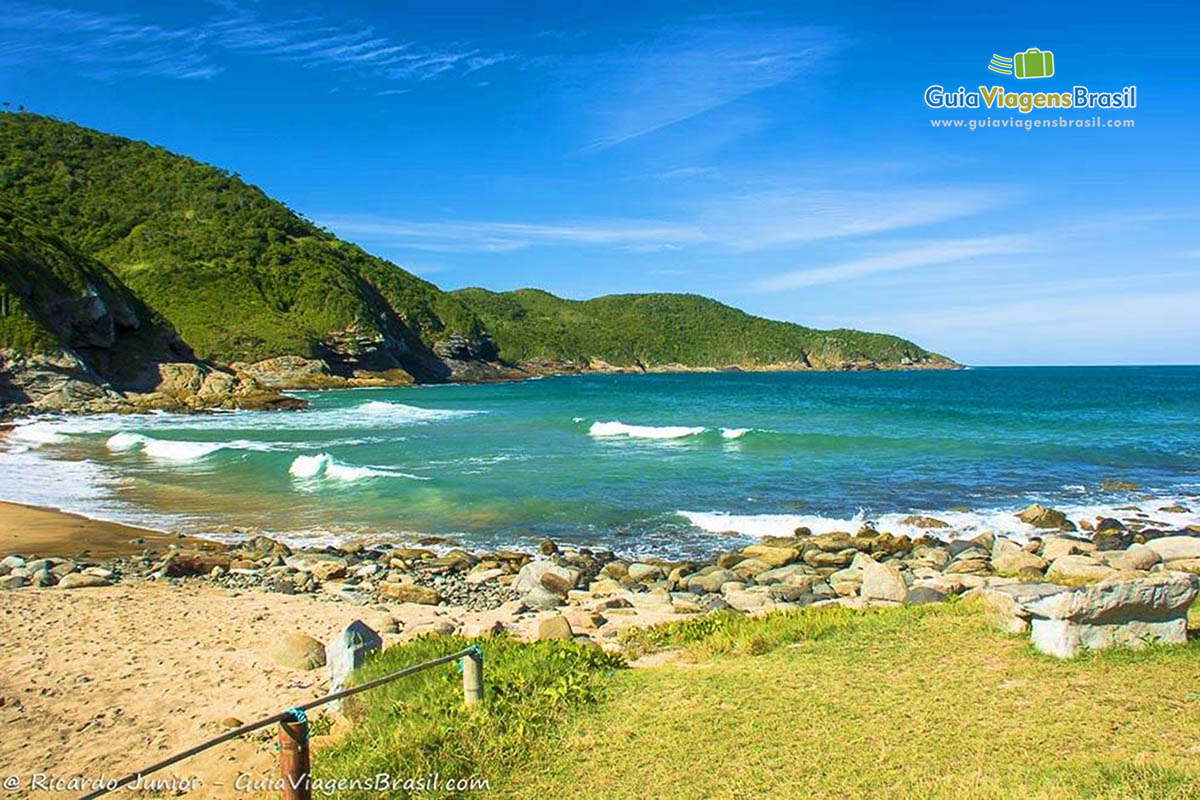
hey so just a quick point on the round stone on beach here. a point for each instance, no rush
(554, 628)
(410, 593)
(298, 651)
(1039, 516)
(80, 580)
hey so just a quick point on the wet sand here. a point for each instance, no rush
(35, 530)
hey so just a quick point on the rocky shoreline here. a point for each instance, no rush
(867, 566)
(67, 383)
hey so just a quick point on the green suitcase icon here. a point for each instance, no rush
(1034, 63)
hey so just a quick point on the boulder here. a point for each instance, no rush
(410, 593)
(80, 580)
(480, 628)
(750, 568)
(1079, 569)
(920, 595)
(831, 542)
(1008, 558)
(1136, 557)
(883, 582)
(1190, 566)
(1132, 613)
(644, 572)
(931, 557)
(821, 559)
(431, 628)
(703, 583)
(1039, 516)
(310, 562)
(748, 599)
(780, 574)
(297, 651)
(539, 597)
(1171, 548)
(12, 582)
(771, 555)
(547, 575)
(1006, 606)
(554, 628)
(484, 575)
(1055, 547)
(924, 522)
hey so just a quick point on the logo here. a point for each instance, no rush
(1033, 63)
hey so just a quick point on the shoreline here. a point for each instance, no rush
(55, 532)
(11, 414)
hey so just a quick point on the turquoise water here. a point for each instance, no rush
(639, 463)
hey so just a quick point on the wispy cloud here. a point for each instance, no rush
(496, 237)
(781, 216)
(924, 255)
(102, 45)
(114, 45)
(756, 221)
(642, 88)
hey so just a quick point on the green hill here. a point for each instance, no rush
(241, 278)
(667, 329)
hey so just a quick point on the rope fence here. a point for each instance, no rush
(293, 723)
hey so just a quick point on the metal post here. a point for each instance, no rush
(472, 670)
(293, 757)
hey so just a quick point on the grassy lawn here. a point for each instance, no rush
(914, 702)
(920, 702)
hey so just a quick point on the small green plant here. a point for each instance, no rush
(417, 726)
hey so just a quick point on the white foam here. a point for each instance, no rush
(617, 428)
(960, 524)
(326, 466)
(174, 449)
(401, 413)
(760, 525)
(37, 433)
(120, 442)
(733, 433)
(308, 466)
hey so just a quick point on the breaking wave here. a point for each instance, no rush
(960, 524)
(328, 467)
(173, 449)
(616, 428)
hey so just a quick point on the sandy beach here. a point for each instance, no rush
(98, 682)
(50, 532)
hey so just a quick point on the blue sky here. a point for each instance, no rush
(777, 157)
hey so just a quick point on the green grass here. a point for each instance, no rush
(921, 702)
(915, 702)
(417, 726)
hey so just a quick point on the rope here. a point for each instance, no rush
(293, 714)
(300, 718)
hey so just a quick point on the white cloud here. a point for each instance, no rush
(484, 236)
(778, 217)
(113, 45)
(932, 253)
(683, 73)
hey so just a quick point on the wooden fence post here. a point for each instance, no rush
(293, 758)
(472, 670)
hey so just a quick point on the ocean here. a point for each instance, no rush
(668, 465)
